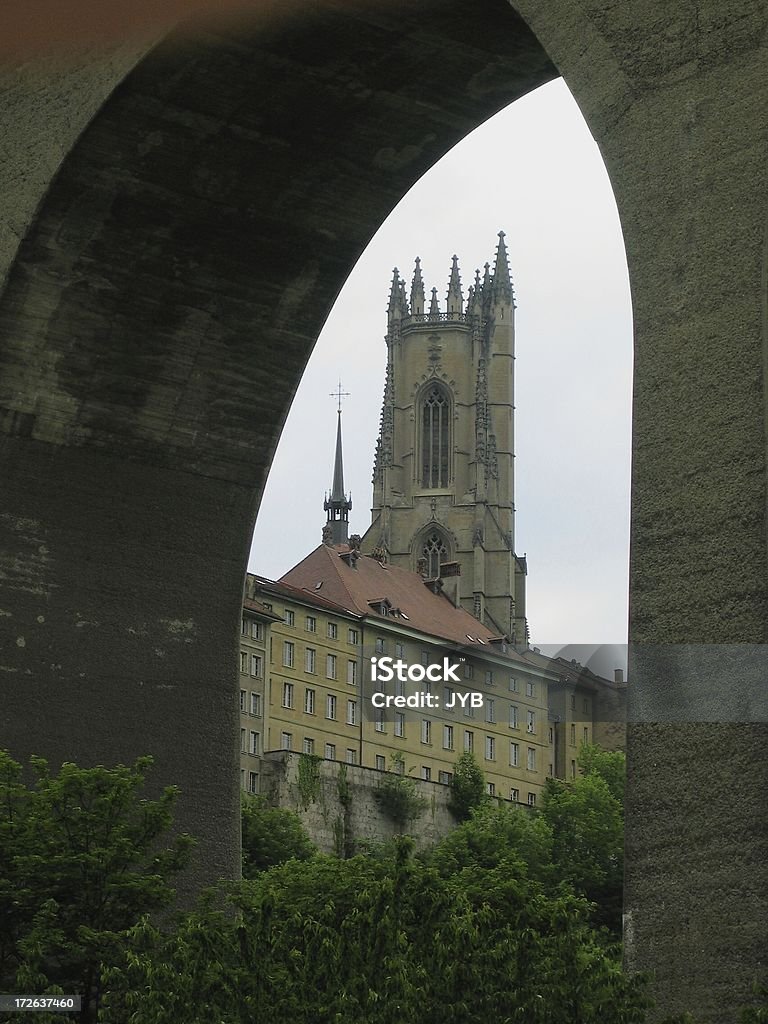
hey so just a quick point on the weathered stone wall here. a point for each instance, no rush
(343, 815)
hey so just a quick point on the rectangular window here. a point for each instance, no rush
(330, 751)
(530, 722)
(243, 662)
(514, 720)
(310, 660)
(333, 631)
(254, 746)
(531, 759)
(469, 711)
(289, 617)
(573, 769)
(351, 712)
(573, 735)
(351, 755)
(445, 777)
(309, 701)
(352, 637)
(513, 684)
(399, 650)
(253, 782)
(330, 666)
(426, 730)
(514, 795)
(380, 763)
(286, 741)
(489, 678)
(257, 669)
(378, 719)
(399, 723)
(550, 770)
(287, 695)
(426, 773)
(447, 737)
(573, 702)
(287, 654)
(468, 670)
(330, 706)
(352, 673)
(530, 689)
(586, 706)
(244, 627)
(311, 624)
(531, 799)
(256, 704)
(551, 734)
(242, 740)
(309, 745)
(586, 734)
(399, 687)
(490, 711)
(425, 658)
(379, 645)
(469, 741)
(400, 766)
(490, 788)
(242, 700)
(257, 630)
(514, 754)
(448, 698)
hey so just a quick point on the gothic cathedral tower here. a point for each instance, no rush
(443, 481)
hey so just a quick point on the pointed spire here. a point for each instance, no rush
(475, 297)
(502, 280)
(487, 279)
(455, 302)
(393, 306)
(337, 490)
(434, 306)
(417, 290)
(337, 505)
(404, 311)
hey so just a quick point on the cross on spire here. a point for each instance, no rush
(338, 394)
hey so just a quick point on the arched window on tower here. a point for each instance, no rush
(435, 438)
(435, 552)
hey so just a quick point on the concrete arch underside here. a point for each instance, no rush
(176, 227)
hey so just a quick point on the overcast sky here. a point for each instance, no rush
(534, 171)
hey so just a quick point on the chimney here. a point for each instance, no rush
(450, 574)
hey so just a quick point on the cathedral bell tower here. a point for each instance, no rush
(443, 479)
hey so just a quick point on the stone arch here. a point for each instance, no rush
(138, 418)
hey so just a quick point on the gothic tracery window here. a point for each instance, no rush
(435, 439)
(435, 552)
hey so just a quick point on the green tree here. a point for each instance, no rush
(271, 836)
(587, 827)
(610, 765)
(80, 862)
(467, 786)
(398, 796)
(379, 940)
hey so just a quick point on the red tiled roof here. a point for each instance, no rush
(372, 582)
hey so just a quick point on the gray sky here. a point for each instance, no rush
(534, 171)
